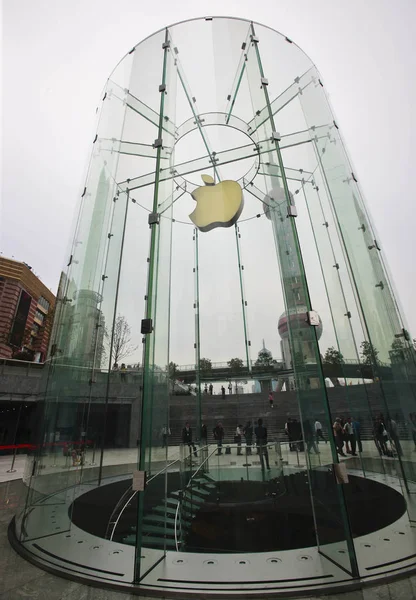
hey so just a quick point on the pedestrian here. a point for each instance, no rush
(346, 433)
(123, 372)
(204, 434)
(187, 438)
(380, 436)
(261, 443)
(223, 391)
(393, 432)
(165, 434)
(237, 438)
(296, 430)
(271, 399)
(339, 440)
(288, 431)
(230, 391)
(310, 437)
(218, 432)
(248, 435)
(318, 432)
(211, 389)
(206, 389)
(356, 429)
(350, 436)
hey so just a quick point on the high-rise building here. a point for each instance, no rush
(26, 312)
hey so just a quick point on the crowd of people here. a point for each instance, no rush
(346, 434)
(248, 432)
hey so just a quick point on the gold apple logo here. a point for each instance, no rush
(217, 205)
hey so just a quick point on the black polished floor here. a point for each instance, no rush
(254, 516)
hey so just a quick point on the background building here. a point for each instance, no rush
(26, 312)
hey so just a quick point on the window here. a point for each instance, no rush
(19, 323)
(43, 303)
(35, 329)
(39, 317)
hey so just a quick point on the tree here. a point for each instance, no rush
(122, 344)
(333, 357)
(369, 354)
(173, 373)
(205, 366)
(397, 350)
(265, 359)
(236, 365)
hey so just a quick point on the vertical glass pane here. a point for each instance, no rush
(328, 503)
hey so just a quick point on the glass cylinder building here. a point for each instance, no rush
(229, 402)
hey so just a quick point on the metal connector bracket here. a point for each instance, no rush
(153, 218)
(292, 211)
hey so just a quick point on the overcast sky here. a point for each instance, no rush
(58, 54)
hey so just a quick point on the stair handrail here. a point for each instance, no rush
(182, 496)
(132, 494)
(130, 498)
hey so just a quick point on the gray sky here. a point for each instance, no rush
(58, 54)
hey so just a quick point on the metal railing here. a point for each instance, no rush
(189, 484)
(130, 493)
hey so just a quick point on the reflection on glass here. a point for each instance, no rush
(229, 371)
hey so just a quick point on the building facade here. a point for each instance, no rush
(26, 312)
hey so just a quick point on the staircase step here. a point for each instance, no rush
(168, 510)
(170, 521)
(201, 490)
(170, 533)
(172, 501)
(151, 519)
(158, 542)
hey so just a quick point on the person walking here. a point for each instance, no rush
(346, 433)
(223, 391)
(318, 432)
(187, 438)
(218, 432)
(393, 432)
(123, 371)
(350, 437)
(380, 436)
(356, 429)
(206, 389)
(271, 399)
(261, 443)
(165, 434)
(289, 433)
(230, 391)
(338, 435)
(310, 438)
(204, 434)
(210, 389)
(296, 430)
(248, 435)
(237, 438)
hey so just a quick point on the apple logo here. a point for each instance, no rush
(217, 205)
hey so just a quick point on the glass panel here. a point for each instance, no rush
(302, 339)
(156, 380)
(196, 342)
